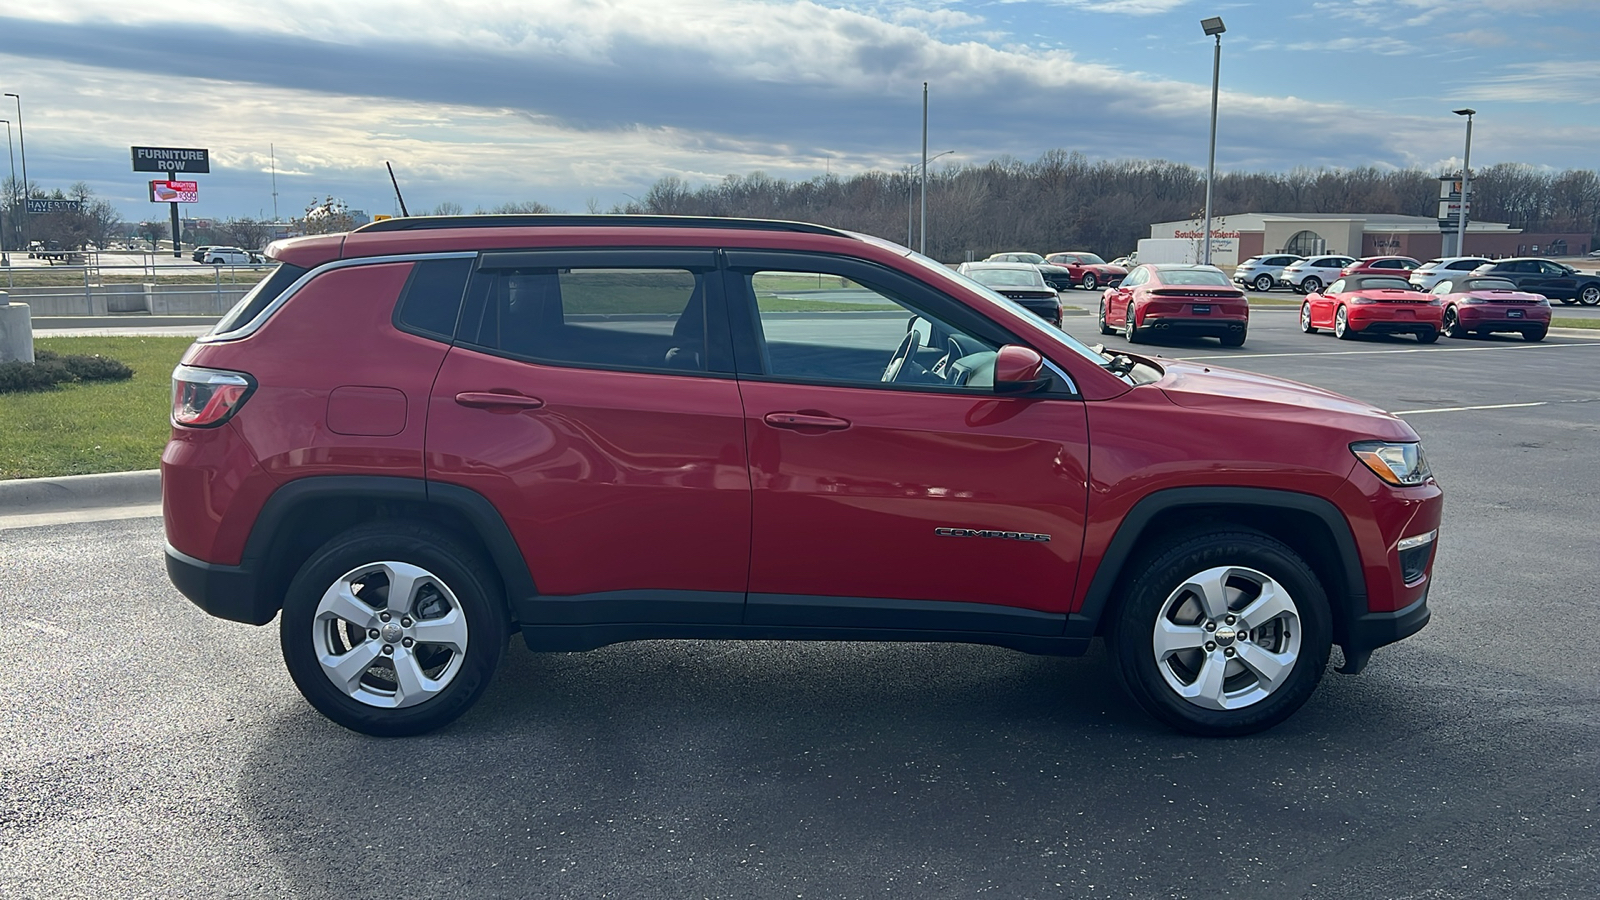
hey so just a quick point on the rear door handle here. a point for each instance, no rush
(491, 400)
(800, 421)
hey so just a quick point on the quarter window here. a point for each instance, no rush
(431, 299)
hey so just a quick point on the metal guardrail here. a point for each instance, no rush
(90, 294)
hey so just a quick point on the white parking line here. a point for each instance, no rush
(1445, 409)
(1525, 347)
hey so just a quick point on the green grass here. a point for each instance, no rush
(48, 278)
(799, 304)
(79, 429)
(1565, 322)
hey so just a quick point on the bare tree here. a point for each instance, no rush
(246, 232)
(326, 216)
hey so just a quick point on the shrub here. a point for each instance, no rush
(50, 369)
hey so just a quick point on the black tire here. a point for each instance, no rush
(1589, 295)
(1341, 326)
(1104, 328)
(1276, 662)
(1452, 324)
(1534, 335)
(1264, 283)
(1428, 337)
(1568, 301)
(1234, 338)
(457, 598)
(1305, 319)
(1090, 282)
(1130, 330)
(1311, 285)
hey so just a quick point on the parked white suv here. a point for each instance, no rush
(1309, 275)
(1263, 272)
(232, 256)
(1434, 271)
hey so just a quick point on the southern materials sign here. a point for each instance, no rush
(174, 192)
(171, 159)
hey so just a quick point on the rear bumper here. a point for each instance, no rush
(1376, 322)
(227, 592)
(1193, 325)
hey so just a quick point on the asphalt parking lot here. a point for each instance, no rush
(153, 751)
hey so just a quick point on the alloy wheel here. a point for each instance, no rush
(1227, 638)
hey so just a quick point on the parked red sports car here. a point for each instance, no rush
(1176, 299)
(1373, 304)
(1401, 266)
(1474, 307)
(1088, 270)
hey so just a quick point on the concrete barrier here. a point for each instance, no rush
(27, 496)
(132, 299)
(16, 330)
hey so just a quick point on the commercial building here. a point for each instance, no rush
(1239, 237)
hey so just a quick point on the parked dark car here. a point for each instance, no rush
(1059, 277)
(1547, 277)
(1020, 281)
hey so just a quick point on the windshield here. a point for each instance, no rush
(1489, 284)
(1090, 259)
(1007, 277)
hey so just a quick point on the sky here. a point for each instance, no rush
(583, 104)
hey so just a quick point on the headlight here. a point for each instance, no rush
(1402, 465)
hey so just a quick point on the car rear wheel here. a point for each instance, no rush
(1311, 285)
(1452, 324)
(1341, 326)
(1263, 283)
(1129, 329)
(1305, 319)
(1222, 634)
(1590, 295)
(1428, 337)
(1234, 338)
(393, 629)
(1535, 334)
(1104, 327)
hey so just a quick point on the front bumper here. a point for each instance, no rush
(1377, 629)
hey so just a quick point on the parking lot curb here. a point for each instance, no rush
(50, 323)
(28, 496)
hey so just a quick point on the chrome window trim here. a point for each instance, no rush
(1066, 379)
(266, 313)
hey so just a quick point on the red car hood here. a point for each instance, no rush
(1107, 269)
(1208, 387)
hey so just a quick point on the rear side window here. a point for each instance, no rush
(651, 318)
(431, 300)
(258, 299)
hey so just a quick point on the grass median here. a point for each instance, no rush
(86, 428)
(1568, 322)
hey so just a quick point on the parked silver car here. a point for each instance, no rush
(1430, 273)
(1310, 275)
(1263, 272)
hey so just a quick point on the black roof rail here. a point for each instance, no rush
(420, 223)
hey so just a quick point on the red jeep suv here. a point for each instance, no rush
(414, 439)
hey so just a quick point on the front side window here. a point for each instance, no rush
(601, 317)
(833, 329)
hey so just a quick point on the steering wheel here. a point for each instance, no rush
(898, 370)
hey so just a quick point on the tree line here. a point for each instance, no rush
(1066, 201)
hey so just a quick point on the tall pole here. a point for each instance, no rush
(1466, 179)
(22, 141)
(923, 237)
(1211, 162)
(272, 154)
(911, 203)
(10, 224)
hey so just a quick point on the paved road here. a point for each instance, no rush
(152, 751)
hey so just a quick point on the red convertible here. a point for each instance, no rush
(1475, 307)
(1373, 304)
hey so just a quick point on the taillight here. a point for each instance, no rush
(205, 398)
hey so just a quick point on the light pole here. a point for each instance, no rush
(1466, 176)
(910, 205)
(10, 219)
(924, 232)
(1213, 27)
(22, 140)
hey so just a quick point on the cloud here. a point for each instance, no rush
(1540, 82)
(1384, 46)
(1124, 7)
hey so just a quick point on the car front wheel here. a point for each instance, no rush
(393, 629)
(1222, 634)
(1105, 328)
(1089, 281)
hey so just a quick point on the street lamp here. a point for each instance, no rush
(1466, 161)
(910, 205)
(1213, 27)
(22, 140)
(9, 227)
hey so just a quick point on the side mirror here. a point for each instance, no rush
(1019, 370)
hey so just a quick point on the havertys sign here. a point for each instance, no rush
(171, 159)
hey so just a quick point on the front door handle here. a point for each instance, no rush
(803, 421)
(491, 400)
